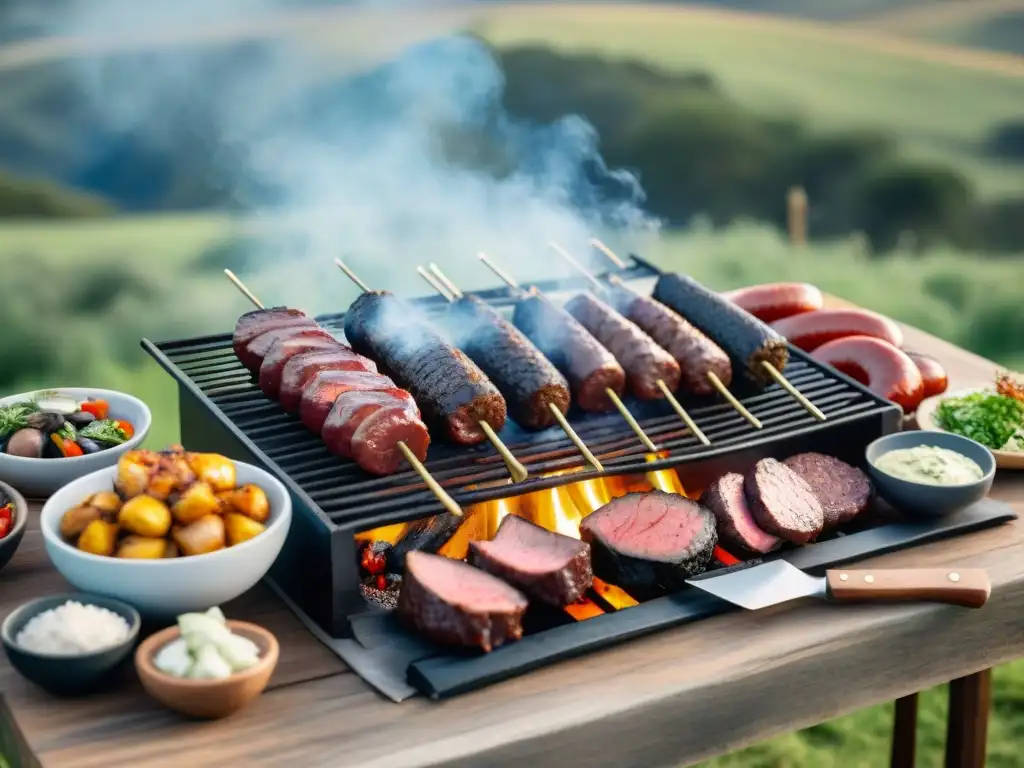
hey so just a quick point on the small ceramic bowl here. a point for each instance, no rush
(207, 699)
(64, 675)
(922, 499)
(10, 542)
(163, 589)
(42, 477)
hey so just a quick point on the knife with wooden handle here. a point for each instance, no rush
(777, 582)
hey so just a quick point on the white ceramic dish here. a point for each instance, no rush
(926, 419)
(41, 477)
(163, 589)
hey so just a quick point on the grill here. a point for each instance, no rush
(222, 410)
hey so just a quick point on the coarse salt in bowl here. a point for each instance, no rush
(73, 629)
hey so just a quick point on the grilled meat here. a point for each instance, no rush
(284, 350)
(450, 388)
(652, 539)
(301, 368)
(524, 376)
(644, 361)
(843, 491)
(252, 324)
(319, 394)
(782, 503)
(738, 532)
(545, 565)
(352, 408)
(743, 337)
(456, 604)
(256, 350)
(696, 354)
(589, 367)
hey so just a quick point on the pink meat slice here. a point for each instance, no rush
(284, 350)
(256, 350)
(352, 408)
(737, 529)
(319, 394)
(375, 442)
(252, 324)
(301, 368)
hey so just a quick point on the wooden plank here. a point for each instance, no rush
(970, 699)
(676, 697)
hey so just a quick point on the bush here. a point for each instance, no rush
(30, 198)
(1007, 141)
(1001, 224)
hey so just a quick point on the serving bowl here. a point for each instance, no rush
(927, 419)
(163, 589)
(61, 674)
(922, 499)
(210, 699)
(10, 542)
(41, 477)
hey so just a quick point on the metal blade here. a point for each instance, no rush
(762, 585)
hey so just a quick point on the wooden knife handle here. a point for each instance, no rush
(968, 587)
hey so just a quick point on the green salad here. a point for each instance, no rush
(994, 420)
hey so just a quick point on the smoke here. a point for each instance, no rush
(385, 164)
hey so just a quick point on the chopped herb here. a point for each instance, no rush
(989, 418)
(105, 431)
(14, 417)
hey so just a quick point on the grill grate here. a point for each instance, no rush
(347, 497)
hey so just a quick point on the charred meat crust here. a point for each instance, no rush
(738, 532)
(524, 376)
(450, 388)
(644, 361)
(782, 503)
(744, 338)
(696, 354)
(589, 367)
(652, 539)
(547, 566)
(456, 622)
(843, 491)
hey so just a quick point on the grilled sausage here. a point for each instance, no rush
(644, 361)
(696, 354)
(252, 324)
(589, 367)
(254, 352)
(284, 350)
(934, 375)
(450, 388)
(809, 331)
(301, 368)
(524, 376)
(368, 425)
(319, 394)
(775, 301)
(877, 364)
(743, 337)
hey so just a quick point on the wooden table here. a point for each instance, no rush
(670, 699)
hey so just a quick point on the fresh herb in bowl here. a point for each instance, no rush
(994, 420)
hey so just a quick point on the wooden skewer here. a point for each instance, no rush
(440, 493)
(515, 468)
(616, 401)
(795, 393)
(608, 252)
(669, 396)
(436, 279)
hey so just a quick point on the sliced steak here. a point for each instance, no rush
(252, 324)
(375, 442)
(545, 565)
(256, 350)
(737, 530)
(352, 408)
(650, 539)
(284, 350)
(319, 394)
(304, 366)
(454, 603)
(843, 491)
(782, 503)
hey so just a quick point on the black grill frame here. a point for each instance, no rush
(317, 567)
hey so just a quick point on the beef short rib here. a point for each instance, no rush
(454, 603)
(737, 530)
(545, 565)
(652, 539)
(782, 503)
(843, 491)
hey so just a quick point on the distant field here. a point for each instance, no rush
(996, 25)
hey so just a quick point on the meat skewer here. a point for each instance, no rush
(444, 381)
(553, 312)
(747, 340)
(410, 456)
(665, 389)
(439, 282)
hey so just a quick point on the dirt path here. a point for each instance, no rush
(394, 28)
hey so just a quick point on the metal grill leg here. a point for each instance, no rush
(904, 733)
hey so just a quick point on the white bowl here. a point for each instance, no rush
(41, 477)
(163, 589)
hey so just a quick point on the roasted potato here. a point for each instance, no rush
(212, 468)
(155, 474)
(204, 535)
(98, 538)
(249, 500)
(141, 548)
(195, 502)
(145, 516)
(107, 502)
(241, 528)
(133, 470)
(76, 520)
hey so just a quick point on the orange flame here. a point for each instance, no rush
(615, 597)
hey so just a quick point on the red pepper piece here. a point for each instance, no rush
(5, 527)
(127, 428)
(98, 408)
(68, 448)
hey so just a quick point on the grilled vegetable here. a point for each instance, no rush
(6, 516)
(98, 538)
(14, 417)
(99, 409)
(240, 528)
(107, 431)
(141, 548)
(249, 500)
(145, 516)
(54, 401)
(204, 535)
(66, 445)
(76, 520)
(89, 446)
(213, 469)
(80, 419)
(27, 442)
(45, 421)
